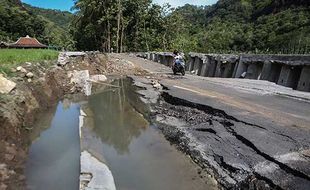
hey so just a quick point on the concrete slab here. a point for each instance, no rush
(94, 174)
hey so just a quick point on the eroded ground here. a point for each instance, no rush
(250, 135)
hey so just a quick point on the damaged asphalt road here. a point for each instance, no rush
(242, 146)
(234, 150)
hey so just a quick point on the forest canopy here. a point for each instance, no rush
(229, 26)
(268, 26)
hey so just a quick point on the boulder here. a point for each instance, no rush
(81, 80)
(6, 86)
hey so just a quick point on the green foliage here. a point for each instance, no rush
(256, 26)
(16, 22)
(11, 57)
(119, 25)
(48, 26)
(249, 26)
(60, 18)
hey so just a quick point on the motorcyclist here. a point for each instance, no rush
(179, 64)
(178, 58)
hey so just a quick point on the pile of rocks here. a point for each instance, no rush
(28, 75)
(64, 57)
(119, 66)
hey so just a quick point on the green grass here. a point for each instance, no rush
(12, 57)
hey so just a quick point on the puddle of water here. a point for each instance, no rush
(54, 156)
(136, 153)
(117, 134)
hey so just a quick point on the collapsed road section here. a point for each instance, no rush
(248, 134)
(238, 153)
(121, 149)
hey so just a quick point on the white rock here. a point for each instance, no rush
(19, 68)
(23, 70)
(98, 78)
(6, 86)
(30, 75)
(28, 63)
(29, 80)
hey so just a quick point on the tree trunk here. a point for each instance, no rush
(136, 35)
(164, 41)
(145, 36)
(109, 37)
(122, 36)
(118, 25)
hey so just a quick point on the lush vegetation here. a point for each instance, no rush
(263, 26)
(268, 26)
(61, 18)
(11, 57)
(256, 26)
(48, 26)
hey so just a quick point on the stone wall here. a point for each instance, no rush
(287, 70)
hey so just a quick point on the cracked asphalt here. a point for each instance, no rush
(247, 134)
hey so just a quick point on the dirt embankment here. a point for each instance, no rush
(19, 108)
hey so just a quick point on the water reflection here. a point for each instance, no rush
(54, 157)
(138, 156)
(116, 119)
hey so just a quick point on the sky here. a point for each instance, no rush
(66, 5)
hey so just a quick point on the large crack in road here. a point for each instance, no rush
(206, 134)
(244, 139)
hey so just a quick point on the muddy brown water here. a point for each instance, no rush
(135, 151)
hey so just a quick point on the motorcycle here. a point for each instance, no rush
(178, 67)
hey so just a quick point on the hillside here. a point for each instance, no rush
(48, 26)
(61, 18)
(279, 26)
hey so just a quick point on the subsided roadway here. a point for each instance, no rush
(263, 130)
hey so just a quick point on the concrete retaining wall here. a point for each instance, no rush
(287, 70)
